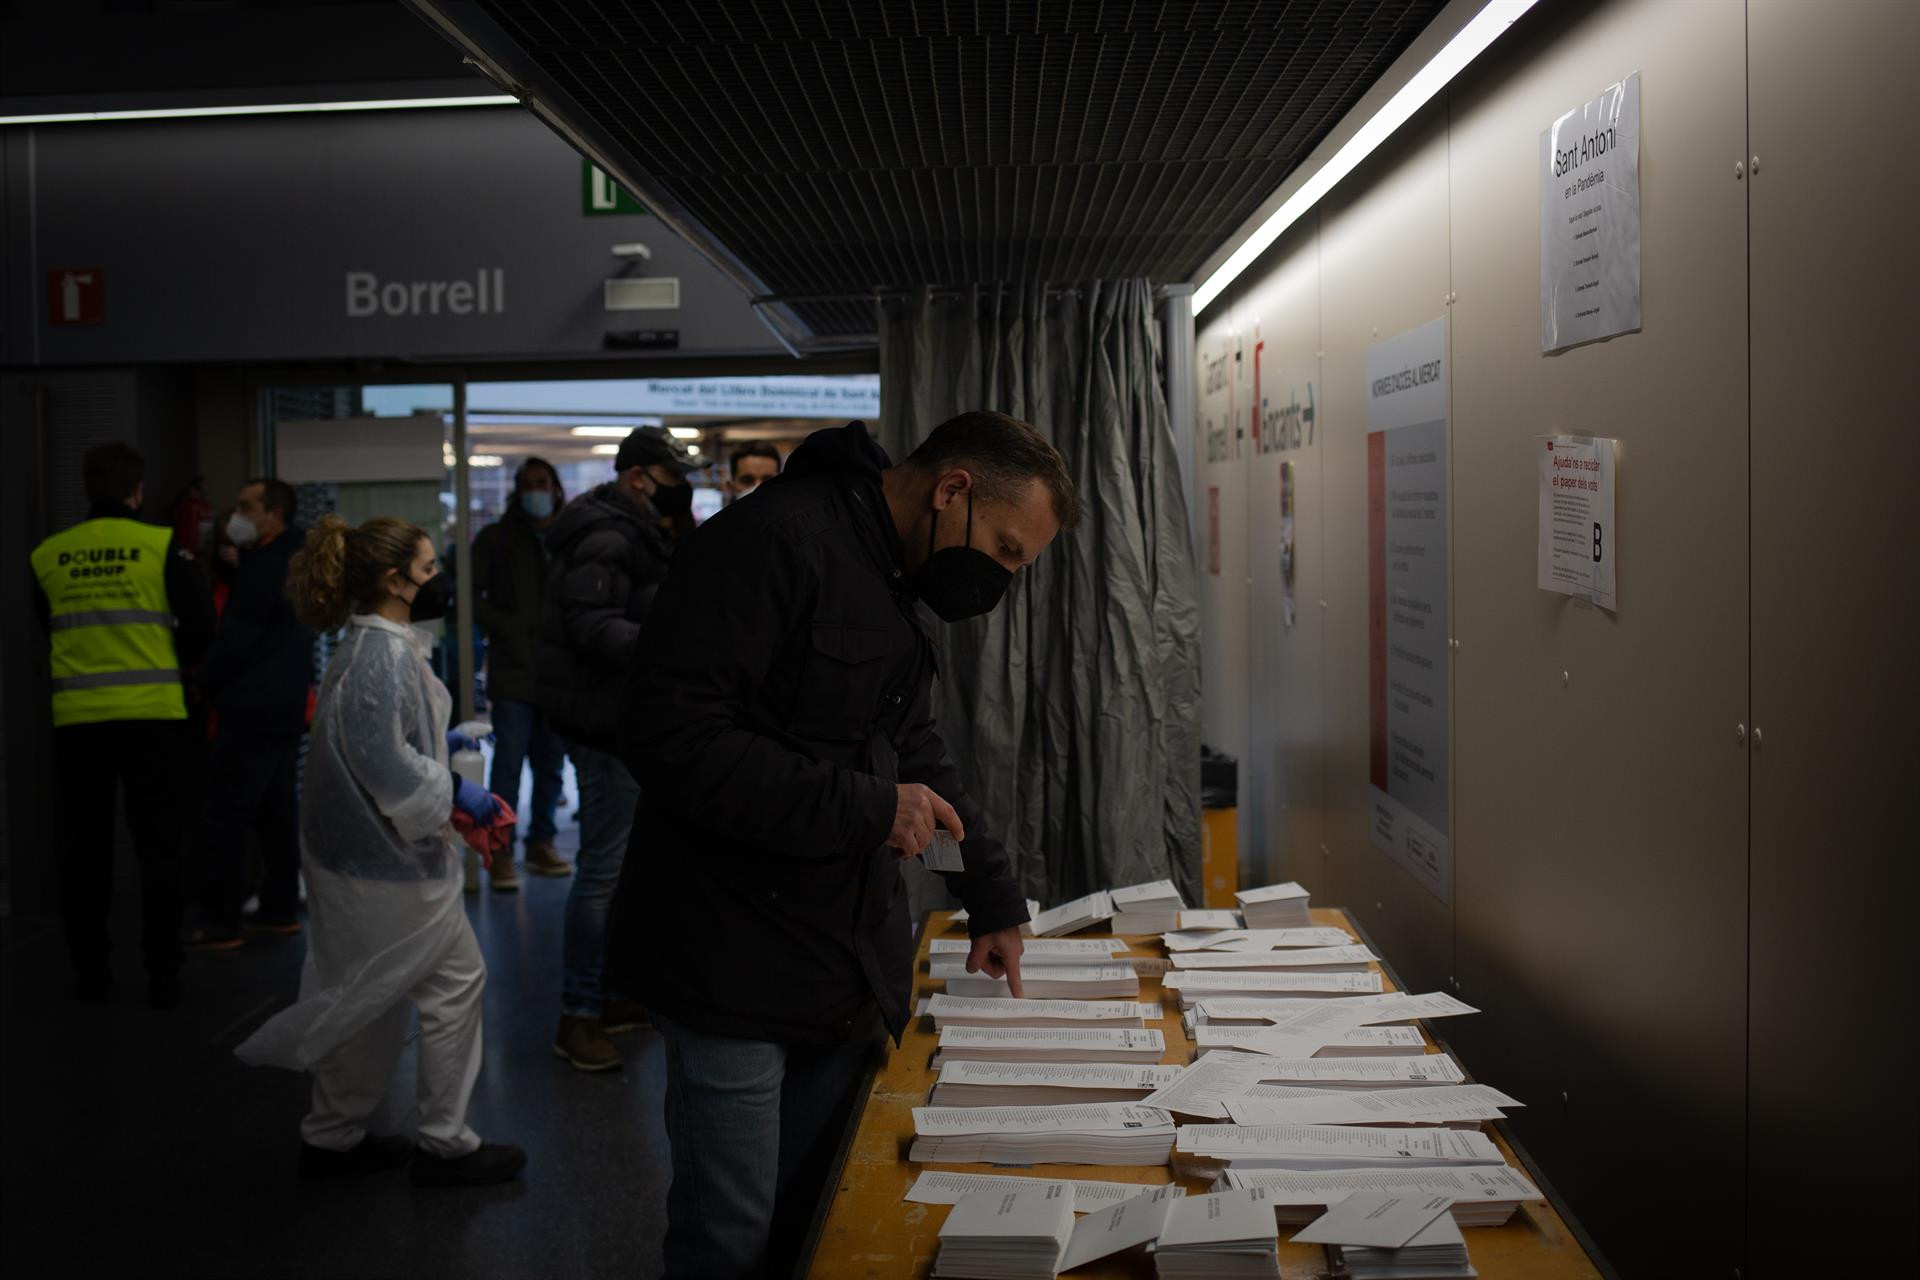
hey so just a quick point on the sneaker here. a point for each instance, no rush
(544, 860)
(285, 926)
(165, 992)
(503, 877)
(489, 1162)
(620, 1015)
(376, 1153)
(584, 1043)
(214, 940)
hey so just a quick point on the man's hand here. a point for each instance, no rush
(995, 954)
(915, 811)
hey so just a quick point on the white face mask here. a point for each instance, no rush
(242, 531)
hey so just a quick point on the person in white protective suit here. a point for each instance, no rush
(387, 931)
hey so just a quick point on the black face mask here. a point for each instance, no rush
(961, 581)
(673, 500)
(430, 601)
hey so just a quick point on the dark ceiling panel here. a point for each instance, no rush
(844, 147)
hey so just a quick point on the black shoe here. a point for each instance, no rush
(165, 992)
(376, 1153)
(489, 1162)
(93, 988)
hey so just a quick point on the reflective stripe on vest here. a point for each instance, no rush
(112, 654)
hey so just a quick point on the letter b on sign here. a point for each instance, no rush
(1597, 531)
(362, 298)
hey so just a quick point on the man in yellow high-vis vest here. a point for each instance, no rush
(123, 609)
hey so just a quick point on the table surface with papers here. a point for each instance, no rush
(869, 1230)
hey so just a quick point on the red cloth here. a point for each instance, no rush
(490, 839)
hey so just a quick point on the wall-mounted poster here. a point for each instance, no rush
(1590, 220)
(1579, 542)
(1407, 761)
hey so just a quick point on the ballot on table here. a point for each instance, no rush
(1071, 917)
(1351, 1042)
(996, 1011)
(1437, 1252)
(1226, 1234)
(1307, 1147)
(1049, 1044)
(1059, 981)
(1483, 1195)
(1146, 908)
(946, 1186)
(1037, 951)
(1010, 1234)
(1028, 1084)
(1105, 1134)
(1275, 906)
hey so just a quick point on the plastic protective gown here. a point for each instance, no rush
(380, 855)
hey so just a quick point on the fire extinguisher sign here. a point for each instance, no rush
(75, 295)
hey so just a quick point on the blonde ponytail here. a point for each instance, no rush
(340, 570)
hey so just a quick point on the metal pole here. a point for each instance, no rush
(463, 556)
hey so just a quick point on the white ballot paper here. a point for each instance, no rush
(1483, 1195)
(1202, 1089)
(1069, 917)
(1007, 1233)
(936, 1186)
(1051, 1044)
(1352, 1042)
(1379, 1219)
(1302, 1032)
(1226, 1233)
(1007, 1011)
(1404, 1071)
(943, 854)
(1054, 981)
(1439, 1104)
(937, 1121)
(1040, 950)
(1300, 958)
(1021, 1084)
(1332, 1146)
(1124, 1226)
(1205, 919)
(1197, 984)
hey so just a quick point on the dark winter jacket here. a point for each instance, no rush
(509, 585)
(782, 687)
(609, 558)
(260, 666)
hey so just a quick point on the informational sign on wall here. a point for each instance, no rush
(1407, 760)
(1590, 220)
(1578, 540)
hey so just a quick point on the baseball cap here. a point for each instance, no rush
(650, 446)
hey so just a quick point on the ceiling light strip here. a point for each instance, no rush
(264, 109)
(1484, 28)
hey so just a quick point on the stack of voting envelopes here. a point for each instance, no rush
(1226, 1234)
(1007, 1235)
(1377, 1235)
(1146, 908)
(1483, 1195)
(1275, 906)
(1071, 917)
(1040, 1084)
(1112, 1133)
(1050, 1044)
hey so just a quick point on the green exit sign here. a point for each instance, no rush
(601, 194)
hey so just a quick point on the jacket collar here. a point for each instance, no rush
(416, 637)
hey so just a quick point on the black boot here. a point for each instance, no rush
(490, 1162)
(375, 1153)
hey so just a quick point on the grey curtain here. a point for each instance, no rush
(1073, 710)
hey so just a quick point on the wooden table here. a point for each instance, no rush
(870, 1231)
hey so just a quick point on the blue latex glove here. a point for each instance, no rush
(476, 802)
(458, 741)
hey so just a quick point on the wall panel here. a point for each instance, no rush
(1221, 501)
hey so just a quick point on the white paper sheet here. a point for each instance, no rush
(938, 1187)
(1201, 1090)
(1124, 1226)
(1099, 1118)
(1376, 1219)
(1438, 1105)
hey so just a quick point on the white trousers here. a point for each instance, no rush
(350, 1082)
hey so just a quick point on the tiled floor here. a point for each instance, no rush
(137, 1145)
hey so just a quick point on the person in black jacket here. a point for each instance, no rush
(509, 583)
(610, 549)
(256, 675)
(779, 713)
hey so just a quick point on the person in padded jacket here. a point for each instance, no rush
(610, 550)
(779, 716)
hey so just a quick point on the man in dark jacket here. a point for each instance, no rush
(509, 583)
(610, 550)
(256, 677)
(780, 715)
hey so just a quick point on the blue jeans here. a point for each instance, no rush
(521, 733)
(608, 798)
(755, 1127)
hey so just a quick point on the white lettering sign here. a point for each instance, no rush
(1590, 220)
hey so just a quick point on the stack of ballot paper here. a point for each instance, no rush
(1229, 1233)
(1352, 1042)
(942, 1186)
(1112, 1133)
(1071, 917)
(1049, 1044)
(1061, 981)
(1195, 985)
(1276, 906)
(1035, 1084)
(1038, 951)
(1013, 1234)
(1351, 958)
(1439, 1104)
(1005, 1011)
(1335, 1146)
(1483, 1195)
(1208, 921)
(1033, 909)
(1380, 1235)
(1146, 908)
(1375, 1071)
(1253, 939)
